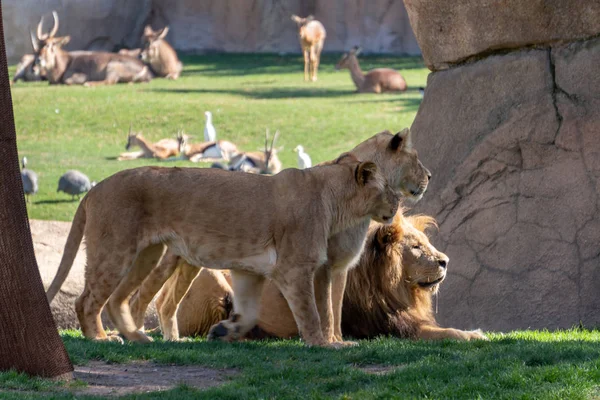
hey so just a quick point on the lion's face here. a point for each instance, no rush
(423, 266)
(399, 162)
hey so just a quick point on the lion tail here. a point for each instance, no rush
(71, 247)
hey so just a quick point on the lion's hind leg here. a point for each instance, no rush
(88, 308)
(247, 289)
(118, 304)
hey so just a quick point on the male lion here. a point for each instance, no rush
(388, 293)
(394, 155)
(130, 218)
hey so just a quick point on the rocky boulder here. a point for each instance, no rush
(513, 143)
(452, 31)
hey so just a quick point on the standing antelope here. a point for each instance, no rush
(162, 149)
(377, 80)
(159, 54)
(312, 36)
(86, 67)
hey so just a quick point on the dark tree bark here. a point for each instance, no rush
(29, 340)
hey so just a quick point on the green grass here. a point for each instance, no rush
(61, 128)
(519, 365)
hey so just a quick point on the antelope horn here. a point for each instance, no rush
(275, 137)
(40, 34)
(55, 27)
(34, 42)
(130, 128)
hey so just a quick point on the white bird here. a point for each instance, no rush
(304, 160)
(210, 134)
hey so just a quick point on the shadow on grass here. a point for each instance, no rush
(249, 64)
(266, 93)
(57, 201)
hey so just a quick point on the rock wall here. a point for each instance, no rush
(220, 25)
(513, 141)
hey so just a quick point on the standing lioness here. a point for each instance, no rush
(256, 226)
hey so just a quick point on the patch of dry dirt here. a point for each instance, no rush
(143, 376)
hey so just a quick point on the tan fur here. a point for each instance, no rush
(159, 54)
(162, 149)
(201, 152)
(383, 294)
(312, 37)
(394, 155)
(196, 213)
(259, 162)
(89, 68)
(377, 80)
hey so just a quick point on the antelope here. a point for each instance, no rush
(377, 80)
(87, 68)
(135, 53)
(312, 36)
(258, 162)
(159, 54)
(206, 151)
(162, 149)
(28, 69)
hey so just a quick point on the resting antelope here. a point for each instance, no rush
(377, 80)
(206, 151)
(312, 36)
(162, 149)
(28, 69)
(159, 54)
(258, 162)
(86, 67)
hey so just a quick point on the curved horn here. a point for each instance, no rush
(55, 27)
(40, 34)
(34, 42)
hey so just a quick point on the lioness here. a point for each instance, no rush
(394, 155)
(256, 226)
(388, 293)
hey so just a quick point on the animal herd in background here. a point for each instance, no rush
(51, 62)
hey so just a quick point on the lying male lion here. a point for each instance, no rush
(388, 293)
(394, 155)
(256, 226)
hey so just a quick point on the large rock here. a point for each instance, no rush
(514, 147)
(452, 31)
(216, 25)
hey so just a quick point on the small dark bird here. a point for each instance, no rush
(74, 183)
(29, 178)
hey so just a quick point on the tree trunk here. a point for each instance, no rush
(29, 341)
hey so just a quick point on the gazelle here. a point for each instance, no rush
(206, 151)
(312, 36)
(258, 162)
(162, 149)
(159, 54)
(377, 80)
(86, 67)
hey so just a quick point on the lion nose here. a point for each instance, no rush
(443, 263)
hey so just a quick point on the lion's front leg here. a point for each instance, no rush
(324, 304)
(247, 289)
(337, 299)
(436, 333)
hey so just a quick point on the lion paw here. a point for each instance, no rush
(115, 338)
(341, 344)
(477, 335)
(221, 332)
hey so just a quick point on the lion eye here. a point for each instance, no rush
(417, 247)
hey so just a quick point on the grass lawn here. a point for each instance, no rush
(520, 365)
(61, 128)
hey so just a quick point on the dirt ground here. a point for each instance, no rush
(143, 376)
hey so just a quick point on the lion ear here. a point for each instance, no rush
(365, 172)
(386, 235)
(401, 140)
